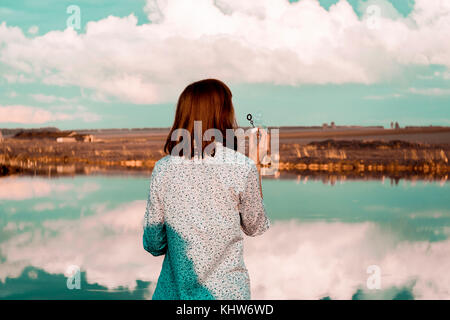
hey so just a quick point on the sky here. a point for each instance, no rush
(304, 62)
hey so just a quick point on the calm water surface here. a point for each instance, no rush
(325, 240)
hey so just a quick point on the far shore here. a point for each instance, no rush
(347, 151)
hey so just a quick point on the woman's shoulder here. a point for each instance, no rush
(161, 163)
(224, 155)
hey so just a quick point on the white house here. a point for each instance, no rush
(88, 138)
(66, 139)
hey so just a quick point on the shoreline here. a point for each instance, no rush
(352, 152)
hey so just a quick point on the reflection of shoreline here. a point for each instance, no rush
(353, 153)
(331, 170)
(299, 175)
(334, 178)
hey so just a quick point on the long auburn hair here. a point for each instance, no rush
(208, 101)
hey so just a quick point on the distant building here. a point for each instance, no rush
(333, 125)
(66, 139)
(1, 137)
(73, 136)
(88, 138)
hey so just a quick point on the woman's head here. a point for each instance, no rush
(208, 101)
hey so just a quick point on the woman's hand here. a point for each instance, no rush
(258, 149)
(258, 160)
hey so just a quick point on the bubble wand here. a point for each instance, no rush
(250, 118)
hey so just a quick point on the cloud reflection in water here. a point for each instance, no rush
(293, 260)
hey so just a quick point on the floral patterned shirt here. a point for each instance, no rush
(197, 214)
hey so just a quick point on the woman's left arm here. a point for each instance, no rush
(154, 239)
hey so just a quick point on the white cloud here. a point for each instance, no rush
(12, 188)
(50, 98)
(269, 41)
(430, 91)
(384, 97)
(43, 206)
(32, 115)
(444, 75)
(22, 188)
(12, 94)
(28, 115)
(33, 30)
(17, 78)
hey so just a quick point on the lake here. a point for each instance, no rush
(350, 240)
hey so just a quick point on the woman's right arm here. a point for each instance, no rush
(154, 238)
(254, 220)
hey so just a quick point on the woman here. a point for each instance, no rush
(197, 211)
